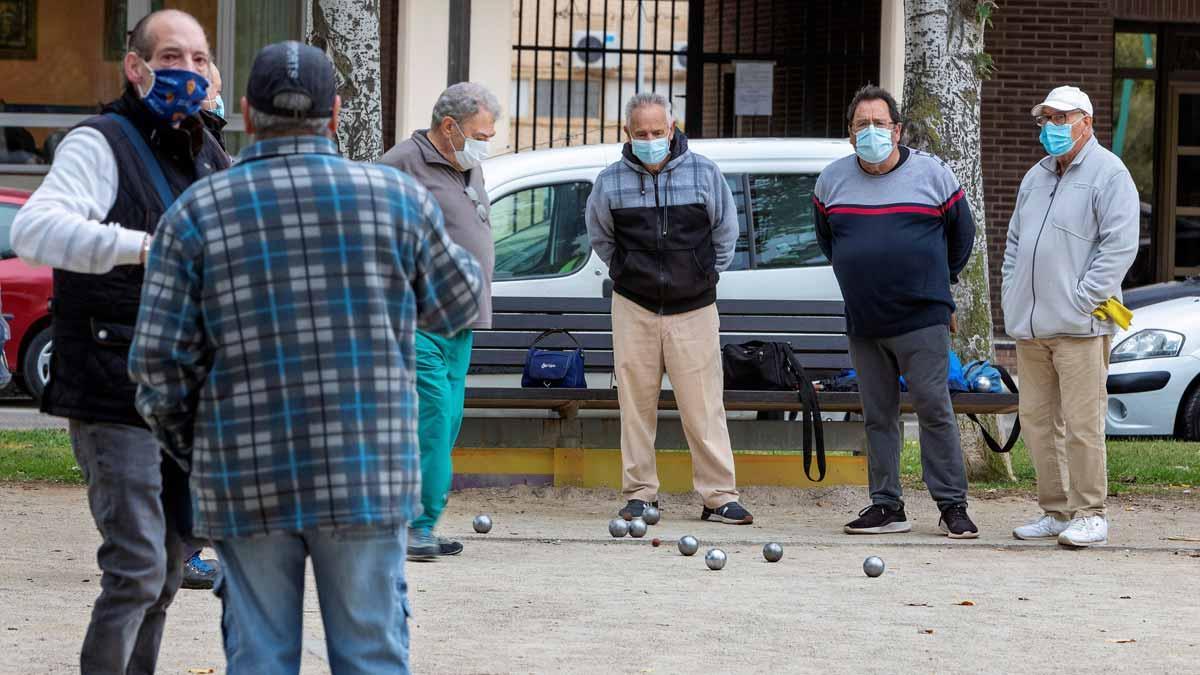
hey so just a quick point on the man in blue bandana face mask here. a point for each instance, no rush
(151, 144)
(1072, 237)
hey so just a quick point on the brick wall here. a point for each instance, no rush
(1037, 46)
(1157, 10)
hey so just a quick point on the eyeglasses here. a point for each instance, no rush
(863, 124)
(1057, 118)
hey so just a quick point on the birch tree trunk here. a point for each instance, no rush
(944, 65)
(348, 31)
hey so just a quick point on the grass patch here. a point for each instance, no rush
(1133, 466)
(42, 455)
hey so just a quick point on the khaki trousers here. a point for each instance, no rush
(1063, 403)
(688, 347)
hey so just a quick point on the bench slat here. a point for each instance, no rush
(525, 305)
(606, 399)
(604, 359)
(729, 324)
(493, 339)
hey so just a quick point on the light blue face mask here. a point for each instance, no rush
(1056, 138)
(873, 144)
(651, 152)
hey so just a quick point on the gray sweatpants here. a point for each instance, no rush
(141, 555)
(922, 357)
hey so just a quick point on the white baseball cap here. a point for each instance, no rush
(1065, 99)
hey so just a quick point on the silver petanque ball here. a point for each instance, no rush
(715, 558)
(618, 527)
(688, 545)
(651, 515)
(482, 523)
(983, 383)
(773, 552)
(873, 566)
(637, 528)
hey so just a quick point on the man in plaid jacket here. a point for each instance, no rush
(274, 353)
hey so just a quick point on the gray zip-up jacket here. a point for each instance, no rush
(1071, 240)
(464, 203)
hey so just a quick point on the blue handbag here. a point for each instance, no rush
(554, 368)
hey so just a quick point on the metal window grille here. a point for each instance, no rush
(575, 62)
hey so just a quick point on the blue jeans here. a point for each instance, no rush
(360, 586)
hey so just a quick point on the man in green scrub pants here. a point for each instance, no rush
(445, 159)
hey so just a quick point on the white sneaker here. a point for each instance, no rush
(1086, 531)
(1046, 527)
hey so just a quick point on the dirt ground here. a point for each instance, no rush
(548, 591)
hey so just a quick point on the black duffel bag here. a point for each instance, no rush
(773, 366)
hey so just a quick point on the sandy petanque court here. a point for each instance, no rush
(549, 591)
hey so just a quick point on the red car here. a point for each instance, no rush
(25, 298)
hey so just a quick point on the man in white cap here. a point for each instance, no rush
(1072, 237)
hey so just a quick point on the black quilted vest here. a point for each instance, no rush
(94, 314)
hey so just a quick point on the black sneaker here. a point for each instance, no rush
(449, 546)
(635, 508)
(732, 513)
(957, 524)
(199, 573)
(879, 519)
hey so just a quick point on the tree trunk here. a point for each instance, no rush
(348, 31)
(944, 65)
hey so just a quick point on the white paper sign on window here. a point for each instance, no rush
(754, 85)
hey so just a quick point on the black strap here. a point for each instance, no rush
(812, 431)
(165, 194)
(1016, 430)
(552, 331)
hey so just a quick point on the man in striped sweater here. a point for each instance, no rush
(894, 223)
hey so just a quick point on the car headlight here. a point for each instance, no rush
(1148, 344)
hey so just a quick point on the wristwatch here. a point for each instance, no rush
(145, 248)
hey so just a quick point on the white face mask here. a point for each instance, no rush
(473, 153)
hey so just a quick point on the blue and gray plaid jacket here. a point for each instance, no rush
(274, 345)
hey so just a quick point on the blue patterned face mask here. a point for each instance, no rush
(174, 95)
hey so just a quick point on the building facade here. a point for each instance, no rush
(732, 68)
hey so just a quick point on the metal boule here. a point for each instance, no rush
(715, 558)
(873, 566)
(482, 523)
(618, 527)
(688, 545)
(651, 515)
(637, 528)
(773, 552)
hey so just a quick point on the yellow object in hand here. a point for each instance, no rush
(1112, 310)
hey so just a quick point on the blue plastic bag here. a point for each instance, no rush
(982, 377)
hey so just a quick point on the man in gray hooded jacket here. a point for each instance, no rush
(1072, 237)
(664, 221)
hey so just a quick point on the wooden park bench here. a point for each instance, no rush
(815, 329)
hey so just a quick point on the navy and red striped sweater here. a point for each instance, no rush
(897, 241)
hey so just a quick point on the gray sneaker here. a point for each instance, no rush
(449, 546)
(422, 545)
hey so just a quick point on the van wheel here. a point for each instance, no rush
(1190, 418)
(35, 364)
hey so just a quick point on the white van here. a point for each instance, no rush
(542, 247)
